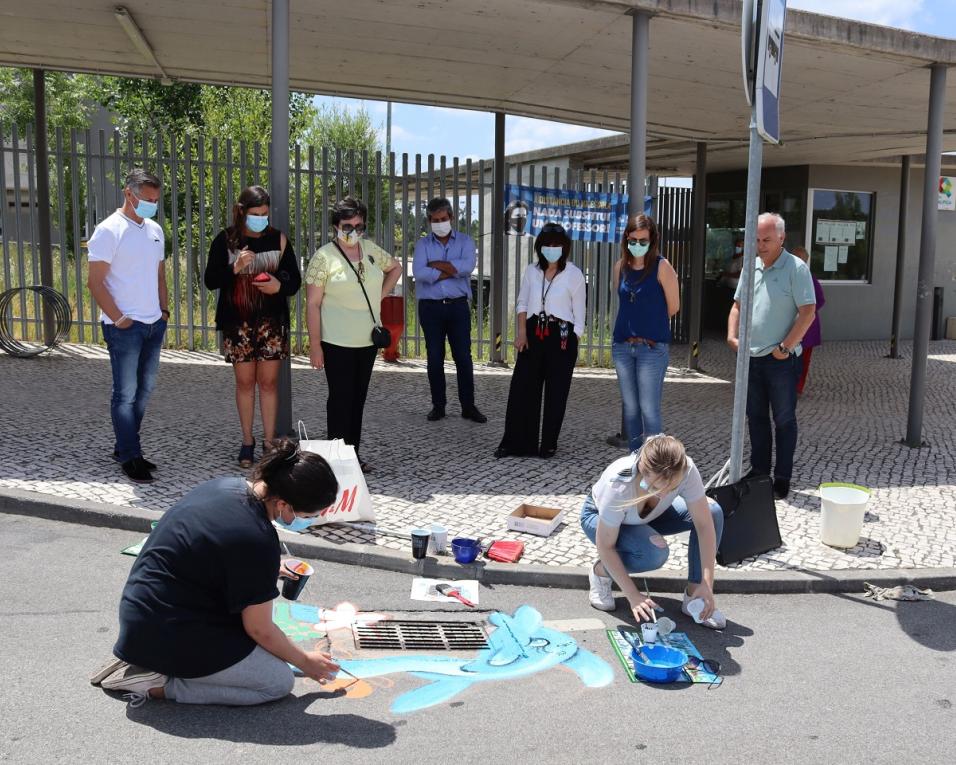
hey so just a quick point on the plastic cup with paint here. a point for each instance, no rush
(420, 539)
(649, 632)
(292, 588)
(665, 626)
(438, 543)
(695, 608)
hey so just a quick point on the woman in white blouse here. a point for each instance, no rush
(550, 320)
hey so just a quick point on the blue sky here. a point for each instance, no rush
(461, 133)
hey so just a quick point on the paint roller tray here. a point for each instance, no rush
(663, 664)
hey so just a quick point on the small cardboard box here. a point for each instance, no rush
(532, 519)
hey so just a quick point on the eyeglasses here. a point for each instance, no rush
(641, 242)
(348, 228)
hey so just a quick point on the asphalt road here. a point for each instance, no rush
(808, 678)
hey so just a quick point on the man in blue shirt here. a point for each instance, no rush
(784, 305)
(444, 260)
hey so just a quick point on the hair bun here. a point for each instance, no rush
(285, 448)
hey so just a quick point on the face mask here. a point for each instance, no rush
(738, 250)
(637, 249)
(257, 223)
(143, 208)
(441, 229)
(552, 254)
(351, 238)
(299, 524)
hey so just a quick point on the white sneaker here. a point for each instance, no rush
(716, 621)
(137, 681)
(600, 594)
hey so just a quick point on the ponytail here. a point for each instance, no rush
(302, 479)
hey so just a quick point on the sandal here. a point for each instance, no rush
(247, 454)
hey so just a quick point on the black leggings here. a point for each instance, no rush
(543, 368)
(348, 372)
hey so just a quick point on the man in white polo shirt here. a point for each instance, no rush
(127, 278)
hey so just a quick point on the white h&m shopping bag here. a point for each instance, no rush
(353, 502)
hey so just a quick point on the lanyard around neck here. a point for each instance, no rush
(544, 292)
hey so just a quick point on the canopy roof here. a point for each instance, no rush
(851, 91)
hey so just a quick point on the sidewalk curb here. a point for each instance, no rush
(32, 504)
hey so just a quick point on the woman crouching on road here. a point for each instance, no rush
(196, 612)
(638, 500)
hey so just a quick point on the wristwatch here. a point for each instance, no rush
(784, 349)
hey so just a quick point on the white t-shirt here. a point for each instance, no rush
(615, 491)
(134, 252)
(563, 295)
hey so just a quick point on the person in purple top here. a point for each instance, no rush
(813, 337)
(444, 260)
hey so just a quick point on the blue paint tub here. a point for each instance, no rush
(465, 549)
(663, 664)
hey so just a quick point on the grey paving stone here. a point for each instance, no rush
(54, 417)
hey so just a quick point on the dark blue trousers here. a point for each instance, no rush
(772, 386)
(450, 320)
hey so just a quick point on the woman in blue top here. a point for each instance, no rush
(648, 295)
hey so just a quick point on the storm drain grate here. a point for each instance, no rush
(415, 636)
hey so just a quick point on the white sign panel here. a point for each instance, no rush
(773, 15)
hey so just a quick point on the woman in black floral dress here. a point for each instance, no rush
(255, 270)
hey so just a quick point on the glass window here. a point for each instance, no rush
(725, 226)
(840, 238)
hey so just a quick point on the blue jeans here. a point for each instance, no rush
(772, 385)
(640, 373)
(452, 320)
(638, 553)
(134, 360)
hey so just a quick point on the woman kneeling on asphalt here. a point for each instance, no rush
(196, 613)
(638, 500)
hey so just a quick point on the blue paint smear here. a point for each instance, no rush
(519, 647)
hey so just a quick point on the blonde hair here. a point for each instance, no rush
(664, 456)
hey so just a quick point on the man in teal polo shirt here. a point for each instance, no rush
(784, 305)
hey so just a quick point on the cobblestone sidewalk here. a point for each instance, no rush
(54, 417)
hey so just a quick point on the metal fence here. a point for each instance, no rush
(201, 179)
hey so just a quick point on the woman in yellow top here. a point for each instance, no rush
(340, 322)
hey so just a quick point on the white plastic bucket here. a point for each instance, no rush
(843, 508)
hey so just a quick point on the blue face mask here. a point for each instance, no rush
(299, 524)
(637, 249)
(145, 209)
(257, 223)
(552, 254)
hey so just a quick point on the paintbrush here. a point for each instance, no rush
(648, 591)
(450, 592)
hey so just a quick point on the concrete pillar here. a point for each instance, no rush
(637, 157)
(498, 309)
(43, 199)
(279, 193)
(900, 259)
(695, 301)
(927, 254)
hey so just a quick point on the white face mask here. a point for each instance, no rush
(351, 238)
(441, 229)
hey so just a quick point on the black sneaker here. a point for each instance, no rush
(781, 488)
(474, 415)
(137, 471)
(437, 413)
(149, 465)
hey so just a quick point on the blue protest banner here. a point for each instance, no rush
(588, 216)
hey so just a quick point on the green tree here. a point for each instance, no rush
(147, 105)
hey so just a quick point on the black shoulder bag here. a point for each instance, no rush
(750, 516)
(381, 337)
